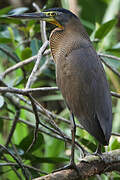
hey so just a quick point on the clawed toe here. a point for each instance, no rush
(100, 155)
(69, 166)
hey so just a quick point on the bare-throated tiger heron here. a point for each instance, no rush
(79, 73)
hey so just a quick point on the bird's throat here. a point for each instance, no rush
(55, 42)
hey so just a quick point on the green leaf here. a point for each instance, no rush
(12, 36)
(88, 24)
(35, 46)
(65, 4)
(8, 52)
(5, 40)
(36, 159)
(114, 51)
(27, 141)
(10, 21)
(26, 53)
(112, 62)
(115, 144)
(105, 28)
(88, 144)
(5, 10)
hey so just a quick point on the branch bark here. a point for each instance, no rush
(89, 166)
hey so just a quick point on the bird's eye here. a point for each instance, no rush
(51, 14)
(48, 14)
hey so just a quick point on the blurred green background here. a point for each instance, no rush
(19, 40)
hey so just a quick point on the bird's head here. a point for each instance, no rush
(58, 16)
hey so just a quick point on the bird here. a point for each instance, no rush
(80, 74)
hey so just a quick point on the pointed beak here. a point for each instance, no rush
(40, 16)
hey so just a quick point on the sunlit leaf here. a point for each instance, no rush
(115, 144)
(5, 40)
(26, 53)
(105, 28)
(5, 10)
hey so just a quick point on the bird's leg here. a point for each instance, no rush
(73, 132)
(98, 151)
(72, 164)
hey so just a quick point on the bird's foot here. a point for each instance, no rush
(85, 153)
(72, 165)
(99, 154)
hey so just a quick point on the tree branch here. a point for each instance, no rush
(22, 63)
(89, 166)
(39, 56)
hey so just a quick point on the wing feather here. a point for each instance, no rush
(83, 83)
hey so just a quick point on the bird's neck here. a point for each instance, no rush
(63, 41)
(57, 38)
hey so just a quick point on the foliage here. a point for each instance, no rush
(19, 40)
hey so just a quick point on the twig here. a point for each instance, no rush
(26, 166)
(13, 127)
(51, 121)
(44, 39)
(20, 64)
(50, 118)
(115, 94)
(42, 49)
(111, 68)
(37, 121)
(31, 90)
(109, 56)
(9, 54)
(14, 157)
(25, 91)
(20, 160)
(115, 134)
(13, 168)
(39, 129)
(54, 116)
(42, 25)
(42, 68)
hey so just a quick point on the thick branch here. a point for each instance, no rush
(89, 166)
